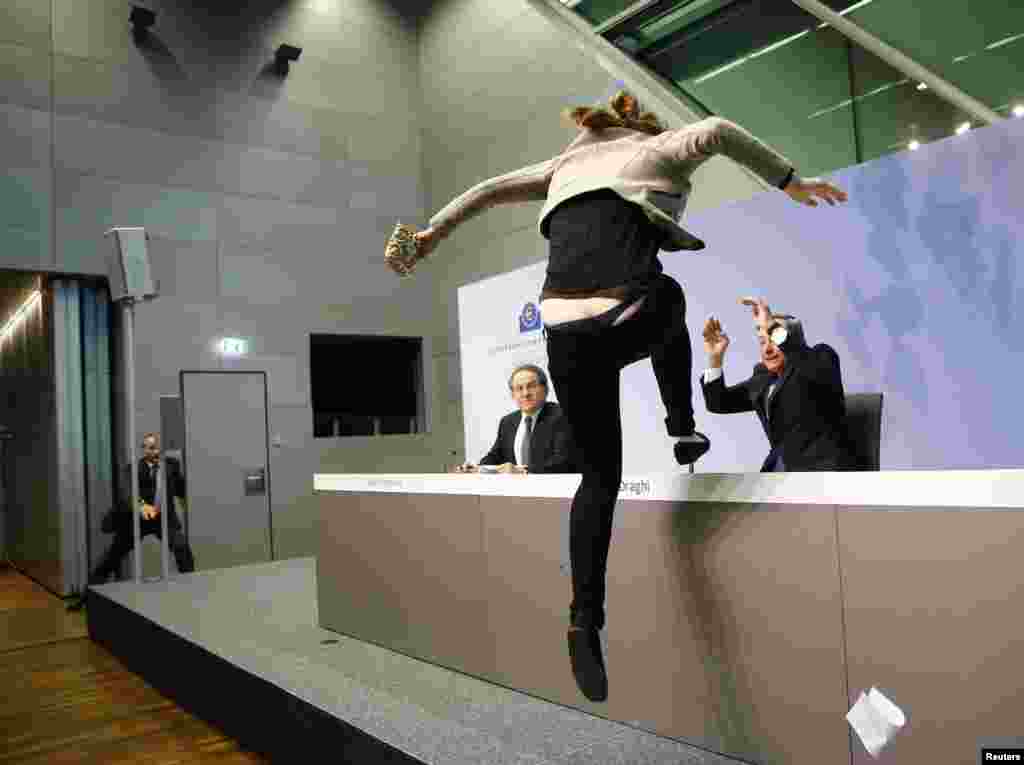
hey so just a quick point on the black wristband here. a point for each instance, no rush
(788, 178)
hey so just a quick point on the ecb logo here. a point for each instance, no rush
(529, 318)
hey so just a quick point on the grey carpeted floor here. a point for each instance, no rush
(262, 618)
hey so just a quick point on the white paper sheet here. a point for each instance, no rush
(876, 719)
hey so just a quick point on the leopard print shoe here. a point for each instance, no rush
(401, 251)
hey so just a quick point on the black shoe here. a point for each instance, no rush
(688, 452)
(587, 663)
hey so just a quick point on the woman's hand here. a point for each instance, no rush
(715, 341)
(426, 241)
(804, 191)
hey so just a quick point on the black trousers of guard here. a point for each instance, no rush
(124, 541)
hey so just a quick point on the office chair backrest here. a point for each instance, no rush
(864, 423)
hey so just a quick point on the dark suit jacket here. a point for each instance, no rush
(118, 520)
(175, 480)
(551, 447)
(807, 422)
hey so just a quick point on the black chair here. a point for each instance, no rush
(864, 424)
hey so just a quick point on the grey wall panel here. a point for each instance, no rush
(118, 151)
(520, 58)
(273, 224)
(26, 187)
(289, 176)
(343, 36)
(402, 311)
(170, 335)
(97, 29)
(286, 125)
(25, 75)
(330, 31)
(442, 49)
(26, 137)
(389, 146)
(328, 84)
(270, 329)
(231, 49)
(287, 378)
(388, 195)
(184, 269)
(88, 205)
(95, 88)
(26, 202)
(257, 275)
(26, 22)
(24, 248)
(324, 271)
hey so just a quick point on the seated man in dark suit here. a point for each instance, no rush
(534, 439)
(796, 390)
(150, 507)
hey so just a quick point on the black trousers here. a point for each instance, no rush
(585, 360)
(124, 541)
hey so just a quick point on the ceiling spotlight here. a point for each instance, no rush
(283, 56)
(914, 145)
(1018, 110)
(142, 19)
(963, 128)
(922, 86)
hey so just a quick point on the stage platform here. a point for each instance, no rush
(241, 648)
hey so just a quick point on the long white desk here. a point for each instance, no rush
(745, 612)
(897, 488)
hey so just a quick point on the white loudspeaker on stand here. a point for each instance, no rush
(131, 282)
(128, 268)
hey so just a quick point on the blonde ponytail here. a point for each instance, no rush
(624, 111)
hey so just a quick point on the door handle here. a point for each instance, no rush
(255, 482)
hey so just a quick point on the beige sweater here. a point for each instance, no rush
(652, 171)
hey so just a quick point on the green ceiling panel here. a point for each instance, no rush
(800, 85)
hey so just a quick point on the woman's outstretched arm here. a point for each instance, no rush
(691, 146)
(527, 184)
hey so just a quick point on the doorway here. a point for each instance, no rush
(226, 456)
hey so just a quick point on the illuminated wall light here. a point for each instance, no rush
(20, 314)
(914, 145)
(963, 128)
(233, 346)
(922, 86)
(1018, 110)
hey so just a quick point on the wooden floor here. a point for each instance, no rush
(64, 699)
